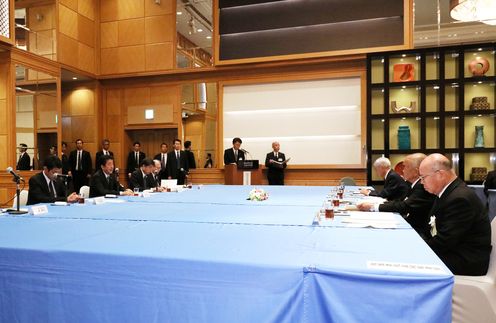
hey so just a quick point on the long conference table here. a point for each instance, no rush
(209, 255)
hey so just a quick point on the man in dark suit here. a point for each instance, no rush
(234, 154)
(44, 186)
(24, 161)
(177, 163)
(156, 174)
(104, 180)
(81, 166)
(142, 177)
(418, 202)
(460, 229)
(65, 159)
(189, 154)
(395, 187)
(104, 152)
(134, 158)
(490, 182)
(275, 163)
(162, 157)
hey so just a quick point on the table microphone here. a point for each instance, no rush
(16, 176)
(61, 175)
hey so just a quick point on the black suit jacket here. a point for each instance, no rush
(415, 208)
(172, 169)
(24, 163)
(131, 161)
(463, 240)
(163, 171)
(137, 180)
(273, 167)
(395, 187)
(191, 159)
(97, 158)
(490, 182)
(65, 164)
(99, 186)
(40, 193)
(229, 156)
(86, 163)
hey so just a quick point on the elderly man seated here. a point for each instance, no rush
(460, 229)
(395, 187)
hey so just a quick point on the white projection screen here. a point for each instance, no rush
(317, 122)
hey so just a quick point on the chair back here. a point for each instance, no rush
(23, 199)
(84, 191)
(347, 181)
(491, 204)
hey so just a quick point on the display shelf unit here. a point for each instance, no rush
(441, 95)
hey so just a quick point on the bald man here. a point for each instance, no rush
(275, 163)
(395, 187)
(460, 229)
(418, 202)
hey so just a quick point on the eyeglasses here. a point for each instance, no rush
(423, 177)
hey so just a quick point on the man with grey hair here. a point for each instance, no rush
(276, 162)
(460, 229)
(418, 202)
(395, 187)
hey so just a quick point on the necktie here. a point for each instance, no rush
(144, 182)
(108, 181)
(163, 160)
(79, 167)
(137, 159)
(178, 160)
(50, 188)
(276, 155)
(236, 154)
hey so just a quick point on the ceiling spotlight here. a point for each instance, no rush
(199, 30)
(209, 37)
(179, 13)
(74, 78)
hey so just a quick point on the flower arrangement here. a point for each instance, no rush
(258, 194)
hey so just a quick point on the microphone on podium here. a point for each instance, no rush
(17, 177)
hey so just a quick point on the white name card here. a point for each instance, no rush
(406, 267)
(39, 209)
(99, 200)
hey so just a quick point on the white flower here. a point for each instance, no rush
(258, 194)
(432, 223)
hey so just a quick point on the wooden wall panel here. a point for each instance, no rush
(87, 8)
(71, 4)
(3, 117)
(126, 27)
(113, 102)
(131, 32)
(109, 34)
(68, 22)
(41, 18)
(136, 96)
(86, 58)
(4, 161)
(68, 49)
(86, 31)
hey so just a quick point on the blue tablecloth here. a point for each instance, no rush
(148, 260)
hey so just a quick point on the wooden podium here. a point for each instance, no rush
(233, 174)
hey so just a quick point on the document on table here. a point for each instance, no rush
(378, 220)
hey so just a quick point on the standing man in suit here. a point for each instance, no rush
(177, 163)
(134, 158)
(415, 207)
(44, 186)
(104, 180)
(190, 154)
(460, 229)
(104, 152)
(395, 187)
(80, 164)
(234, 154)
(275, 163)
(24, 161)
(162, 157)
(142, 177)
(65, 159)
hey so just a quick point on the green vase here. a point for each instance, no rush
(479, 137)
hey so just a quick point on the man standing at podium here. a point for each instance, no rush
(234, 154)
(275, 163)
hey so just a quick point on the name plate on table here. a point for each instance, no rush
(405, 267)
(248, 164)
(39, 209)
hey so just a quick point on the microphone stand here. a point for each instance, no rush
(18, 193)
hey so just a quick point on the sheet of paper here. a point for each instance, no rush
(406, 267)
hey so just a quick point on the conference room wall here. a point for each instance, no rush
(80, 116)
(7, 115)
(77, 34)
(137, 36)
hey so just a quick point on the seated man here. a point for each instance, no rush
(44, 187)
(460, 229)
(104, 181)
(142, 178)
(490, 182)
(395, 187)
(418, 202)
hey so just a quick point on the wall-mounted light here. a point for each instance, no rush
(39, 17)
(149, 114)
(474, 10)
